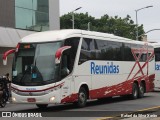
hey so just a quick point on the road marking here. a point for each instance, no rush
(146, 109)
(156, 107)
(104, 118)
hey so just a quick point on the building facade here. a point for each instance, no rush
(23, 17)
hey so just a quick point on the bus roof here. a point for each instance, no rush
(59, 35)
(48, 36)
(156, 45)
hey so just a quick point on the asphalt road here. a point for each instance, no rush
(114, 108)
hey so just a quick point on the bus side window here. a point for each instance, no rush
(87, 50)
(108, 50)
(157, 54)
(73, 42)
(128, 56)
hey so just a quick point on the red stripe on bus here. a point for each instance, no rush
(38, 90)
(115, 90)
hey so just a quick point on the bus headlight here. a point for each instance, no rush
(52, 99)
(13, 99)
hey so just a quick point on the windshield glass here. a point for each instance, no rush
(34, 64)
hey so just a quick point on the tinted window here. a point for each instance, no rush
(157, 54)
(128, 56)
(143, 57)
(108, 50)
(87, 50)
(101, 49)
(115, 51)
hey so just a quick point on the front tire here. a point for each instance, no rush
(82, 97)
(3, 103)
(42, 106)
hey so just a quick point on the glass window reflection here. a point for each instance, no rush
(23, 18)
(32, 14)
(24, 3)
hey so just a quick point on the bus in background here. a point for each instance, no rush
(157, 66)
(72, 66)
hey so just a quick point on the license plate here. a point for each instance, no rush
(31, 100)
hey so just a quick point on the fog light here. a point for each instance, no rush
(52, 99)
(13, 99)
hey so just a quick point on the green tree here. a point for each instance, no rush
(81, 21)
(123, 27)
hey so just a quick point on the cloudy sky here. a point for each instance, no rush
(149, 17)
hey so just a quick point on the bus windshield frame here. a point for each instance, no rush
(34, 64)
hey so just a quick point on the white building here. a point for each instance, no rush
(23, 17)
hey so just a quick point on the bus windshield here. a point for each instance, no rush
(34, 64)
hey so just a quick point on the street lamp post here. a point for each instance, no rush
(89, 26)
(148, 32)
(137, 19)
(73, 16)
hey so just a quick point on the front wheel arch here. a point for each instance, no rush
(83, 95)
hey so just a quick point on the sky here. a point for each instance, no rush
(149, 17)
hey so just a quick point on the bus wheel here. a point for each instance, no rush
(3, 102)
(141, 90)
(134, 91)
(82, 97)
(41, 106)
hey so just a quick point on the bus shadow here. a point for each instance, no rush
(72, 107)
(113, 100)
(156, 91)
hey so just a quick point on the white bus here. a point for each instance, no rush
(72, 66)
(157, 66)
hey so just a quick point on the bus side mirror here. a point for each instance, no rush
(5, 55)
(5, 61)
(59, 53)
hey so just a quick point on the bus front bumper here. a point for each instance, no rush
(50, 98)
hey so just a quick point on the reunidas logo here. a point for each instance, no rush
(109, 68)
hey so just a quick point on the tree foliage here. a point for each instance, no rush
(124, 27)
